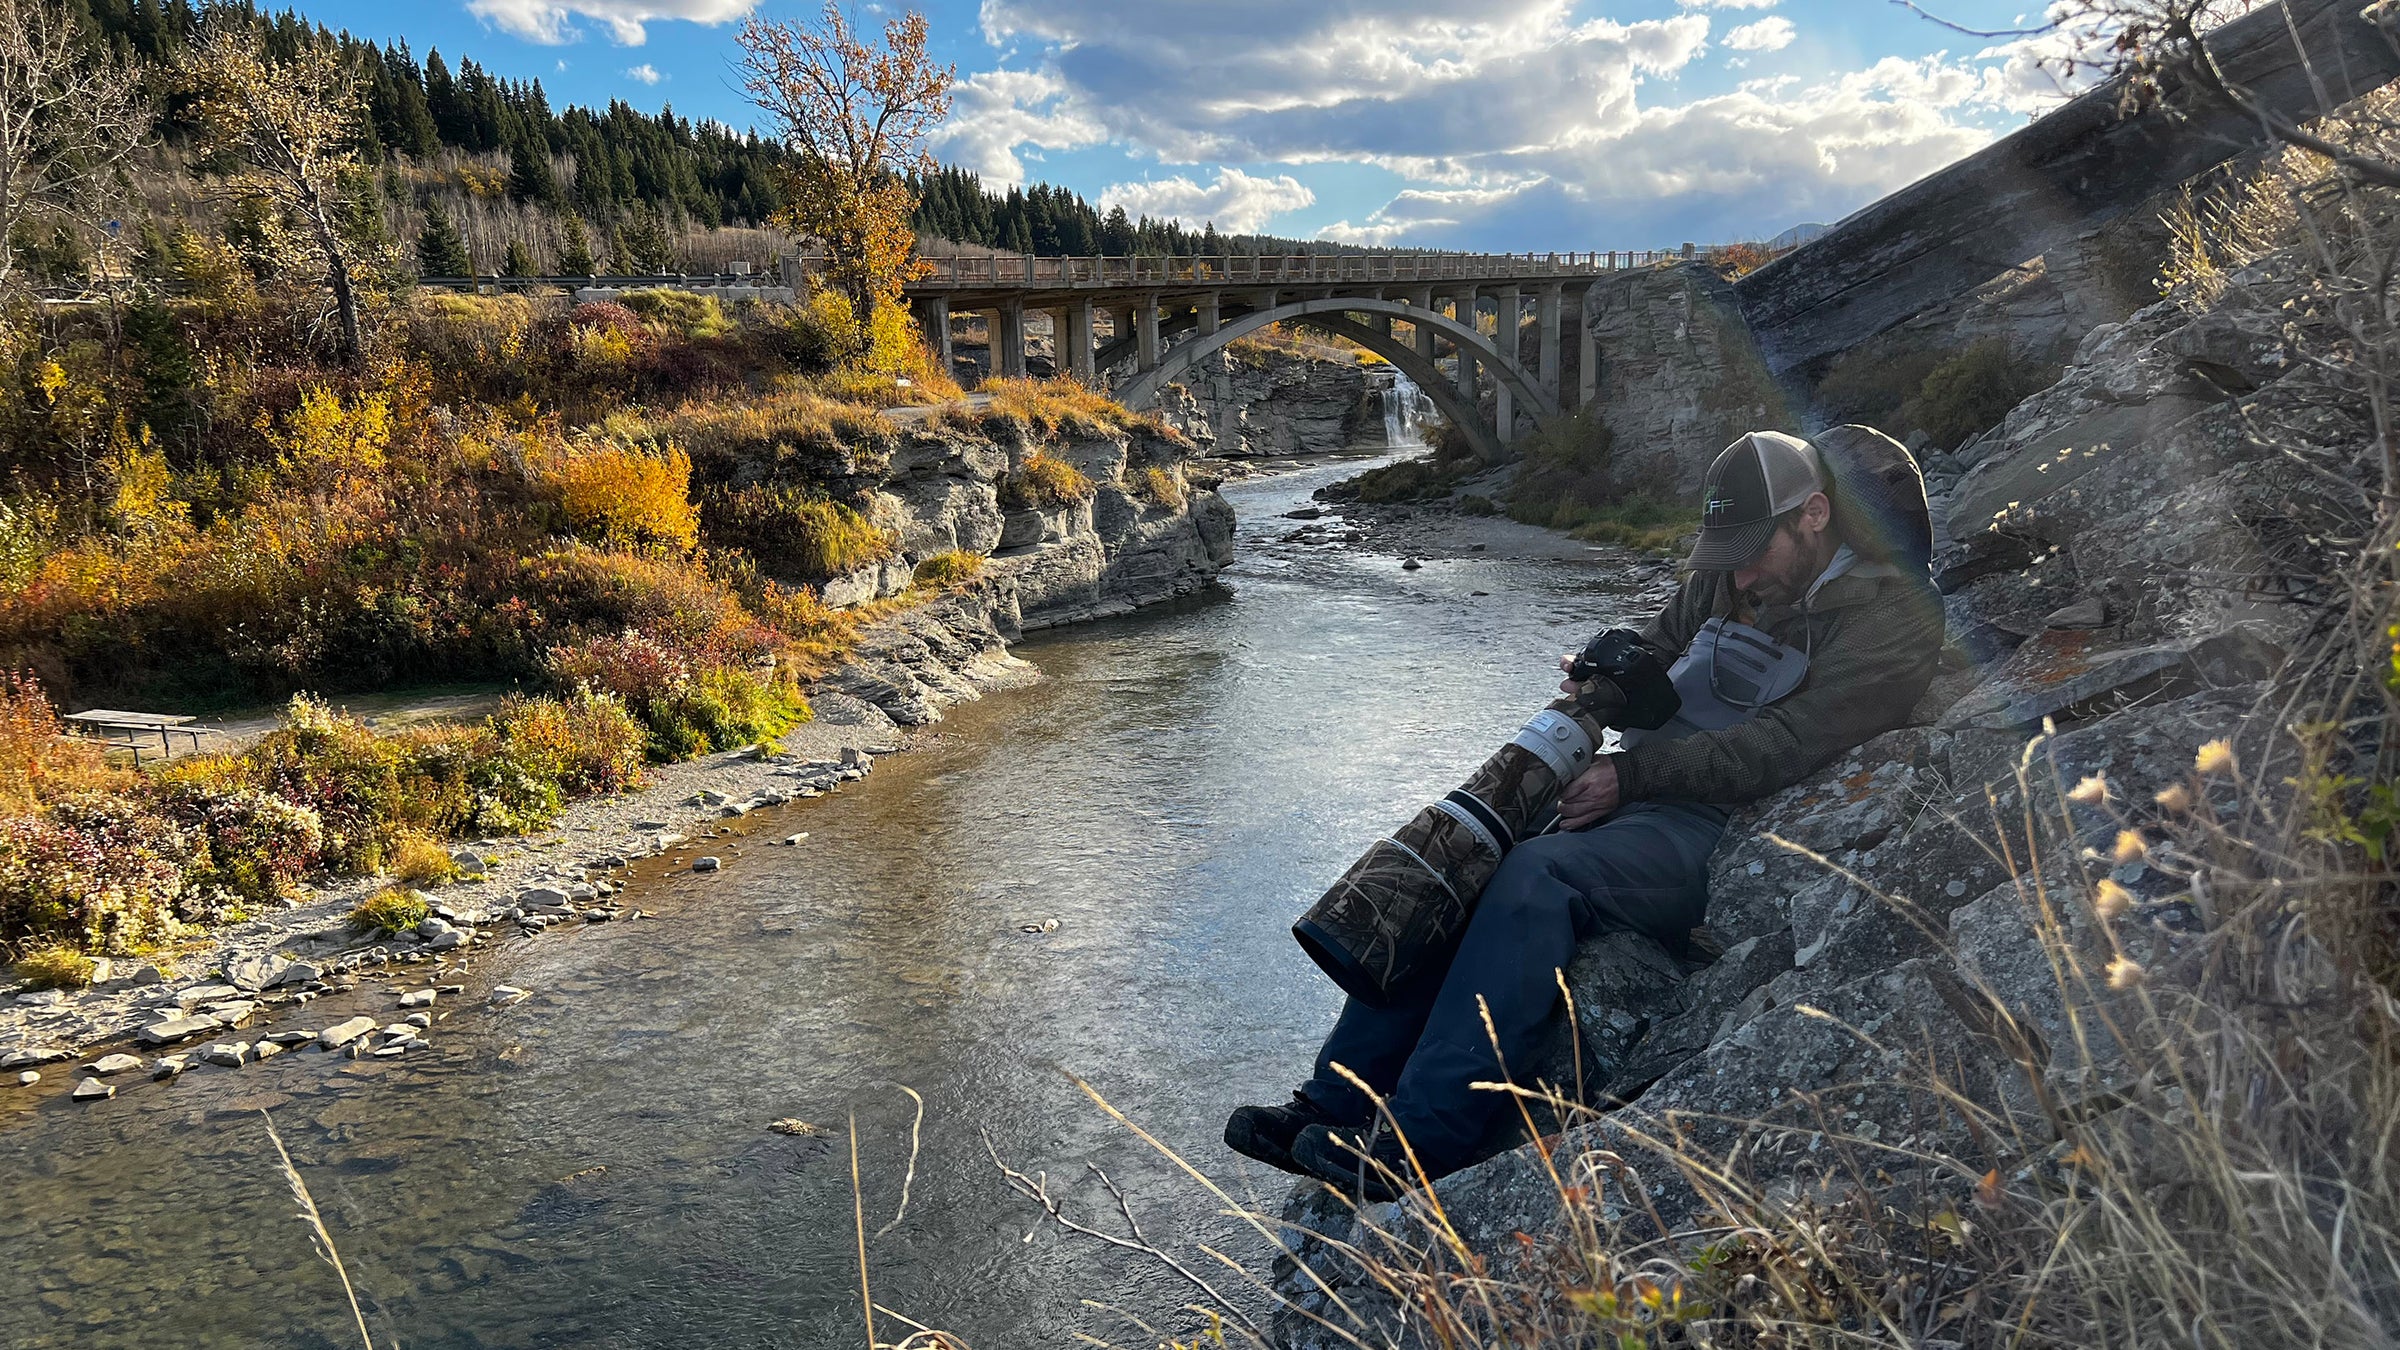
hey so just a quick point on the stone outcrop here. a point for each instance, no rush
(1677, 372)
(1257, 400)
(2042, 186)
(2121, 561)
(1104, 554)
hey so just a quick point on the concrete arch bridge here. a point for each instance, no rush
(1424, 313)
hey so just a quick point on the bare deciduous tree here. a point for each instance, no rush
(69, 116)
(294, 125)
(857, 114)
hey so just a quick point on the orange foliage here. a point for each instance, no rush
(626, 498)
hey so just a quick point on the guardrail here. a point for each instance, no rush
(678, 280)
(1269, 269)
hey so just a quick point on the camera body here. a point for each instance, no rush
(1624, 684)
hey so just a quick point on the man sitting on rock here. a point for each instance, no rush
(1790, 647)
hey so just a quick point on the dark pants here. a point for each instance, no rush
(1644, 868)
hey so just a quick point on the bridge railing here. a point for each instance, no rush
(1019, 269)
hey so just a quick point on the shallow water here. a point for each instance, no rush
(592, 1167)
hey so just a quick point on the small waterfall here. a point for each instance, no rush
(1402, 411)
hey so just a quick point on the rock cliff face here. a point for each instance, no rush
(1107, 553)
(1255, 401)
(2123, 559)
(1677, 372)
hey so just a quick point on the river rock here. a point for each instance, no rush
(505, 994)
(167, 1066)
(254, 973)
(43, 998)
(178, 1028)
(264, 1050)
(432, 927)
(417, 998)
(450, 940)
(300, 972)
(28, 1077)
(117, 1063)
(335, 1037)
(226, 1054)
(796, 839)
(32, 1055)
(234, 1013)
(469, 863)
(93, 1090)
(542, 897)
(289, 1039)
(148, 974)
(707, 864)
(198, 994)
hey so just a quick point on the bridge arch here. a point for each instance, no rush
(1332, 315)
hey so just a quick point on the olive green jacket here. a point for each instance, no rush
(1873, 638)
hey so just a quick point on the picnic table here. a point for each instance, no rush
(111, 722)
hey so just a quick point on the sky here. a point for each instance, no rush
(1492, 125)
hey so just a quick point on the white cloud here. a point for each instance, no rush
(1514, 123)
(995, 112)
(1770, 34)
(1236, 203)
(645, 72)
(553, 21)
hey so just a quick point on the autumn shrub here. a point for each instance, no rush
(686, 707)
(416, 860)
(587, 742)
(55, 968)
(394, 910)
(329, 441)
(1410, 480)
(253, 847)
(1157, 487)
(1563, 469)
(39, 761)
(955, 567)
(1044, 481)
(621, 497)
(1869, 385)
(794, 531)
(792, 433)
(96, 872)
(1970, 393)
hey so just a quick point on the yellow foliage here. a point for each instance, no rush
(944, 570)
(1044, 481)
(143, 503)
(327, 441)
(1157, 487)
(622, 497)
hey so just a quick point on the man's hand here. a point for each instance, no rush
(1568, 687)
(1591, 796)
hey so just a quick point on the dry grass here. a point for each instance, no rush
(390, 910)
(417, 860)
(944, 571)
(1157, 487)
(1044, 481)
(55, 968)
(1058, 407)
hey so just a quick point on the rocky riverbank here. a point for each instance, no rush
(1104, 553)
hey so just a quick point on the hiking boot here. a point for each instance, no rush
(1266, 1132)
(1372, 1167)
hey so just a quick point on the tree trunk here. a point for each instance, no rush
(345, 307)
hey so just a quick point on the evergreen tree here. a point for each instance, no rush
(440, 250)
(519, 262)
(575, 250)
(530, 178)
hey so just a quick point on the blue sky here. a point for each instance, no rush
(1483, 124)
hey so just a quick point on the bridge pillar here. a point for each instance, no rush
(1504, 410)
(1208, 314)
(1078, 332)
(1510, 302)
(933, 321)
(1008, 341)
(1546, 317)
(1145, 333)
(1587, 353)
(1422, 299)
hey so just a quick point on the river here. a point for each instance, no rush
(593, 1167)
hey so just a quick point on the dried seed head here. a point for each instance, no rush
(2124, 973)
(2177, 798)
(2214, 758)
(2111, 899)
(2130, 847)
(2092, 791)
